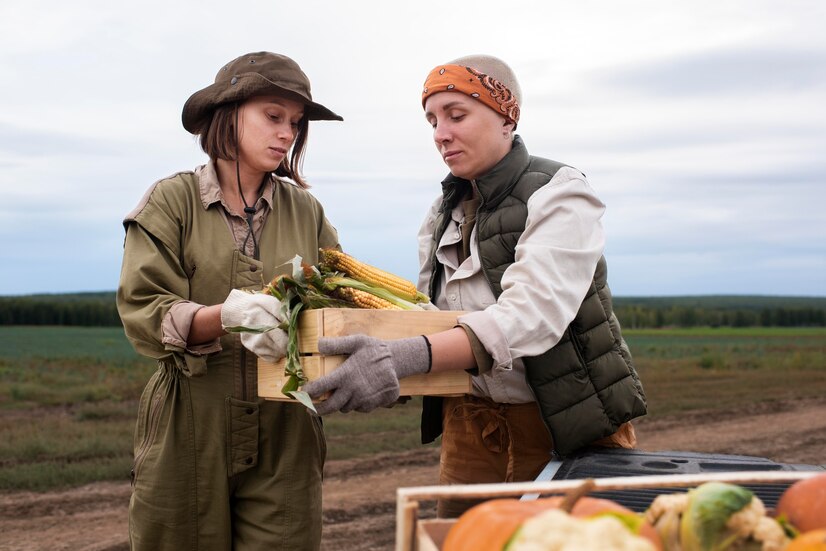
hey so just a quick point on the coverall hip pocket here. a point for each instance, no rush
(242, 435)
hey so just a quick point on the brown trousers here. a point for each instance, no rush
(486, 442)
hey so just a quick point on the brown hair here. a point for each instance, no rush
(217, 139)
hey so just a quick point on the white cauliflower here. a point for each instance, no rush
(715, 515)
(752, 522)
(771, 534)
(665, 503)
(744, 521)
(555, 530)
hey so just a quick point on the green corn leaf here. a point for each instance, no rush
(338, 281)
(304, 398)
(291, 385)
(292, 366)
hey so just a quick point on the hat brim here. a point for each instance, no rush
(202, 103)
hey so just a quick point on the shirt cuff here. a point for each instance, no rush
(176, 325)
(490, 337)
(484, 363)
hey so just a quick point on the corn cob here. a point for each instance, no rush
(342, 262)
(363, 299)
(334, 282)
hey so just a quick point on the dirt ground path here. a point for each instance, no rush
(359, 495)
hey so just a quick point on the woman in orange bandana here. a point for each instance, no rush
(516, 241)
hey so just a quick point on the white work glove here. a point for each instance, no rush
(257, 317)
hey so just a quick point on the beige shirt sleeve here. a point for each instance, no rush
(484, 361)
(425, 240)
(554, 265)
(175, 329)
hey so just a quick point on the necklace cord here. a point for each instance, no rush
(248, 210)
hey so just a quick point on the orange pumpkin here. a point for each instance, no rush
(814, 540)
(489, 525)
(804, 503)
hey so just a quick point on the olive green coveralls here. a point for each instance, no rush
(215, 466)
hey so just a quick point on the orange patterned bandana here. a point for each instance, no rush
(488, 90)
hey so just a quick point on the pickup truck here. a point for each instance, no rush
(605, 463)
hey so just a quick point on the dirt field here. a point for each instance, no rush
(359, 495)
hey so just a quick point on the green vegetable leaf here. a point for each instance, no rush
(292, 384)
(703, 526)
(788, 528)
(292, 365)
(381, 292)
(304, 398)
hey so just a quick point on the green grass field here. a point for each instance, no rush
(68, 395)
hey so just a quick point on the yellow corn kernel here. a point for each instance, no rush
(363, 299)
(371, 275)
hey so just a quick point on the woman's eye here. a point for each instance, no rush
(457, 118)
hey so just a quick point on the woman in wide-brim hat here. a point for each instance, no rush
(216, 467)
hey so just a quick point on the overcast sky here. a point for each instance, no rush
(701, 125)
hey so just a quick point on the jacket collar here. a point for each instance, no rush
(496, 184)
(210, 189)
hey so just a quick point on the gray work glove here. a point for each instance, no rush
(369, 378)
(257, 317)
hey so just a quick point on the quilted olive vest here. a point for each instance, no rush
(586, 385)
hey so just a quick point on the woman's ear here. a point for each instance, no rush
(508, 126)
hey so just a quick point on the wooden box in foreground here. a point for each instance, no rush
(415, 534)
(383, 324)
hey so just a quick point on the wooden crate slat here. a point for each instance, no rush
(271, 379)
(383, 324)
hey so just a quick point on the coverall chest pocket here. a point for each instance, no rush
(247, 272)
(242, 435)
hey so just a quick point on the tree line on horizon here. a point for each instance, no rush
(99, 310)
(635, 317)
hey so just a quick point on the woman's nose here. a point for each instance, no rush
(286, 131)
(441, 133)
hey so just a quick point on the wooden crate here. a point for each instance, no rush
(383, 324)
(413, 534)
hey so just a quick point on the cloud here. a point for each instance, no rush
(701, 126)
(697, 273)
(23, 142)
(723, 71)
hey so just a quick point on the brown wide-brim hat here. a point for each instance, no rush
(254, 74)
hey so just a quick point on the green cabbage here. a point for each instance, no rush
(710, 505)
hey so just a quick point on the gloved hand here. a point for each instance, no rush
(262, 314)
(369, 378)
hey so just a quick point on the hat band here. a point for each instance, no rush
(469, 81)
